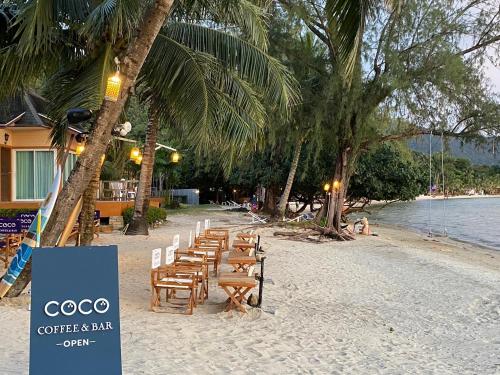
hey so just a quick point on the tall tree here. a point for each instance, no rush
(411, 58)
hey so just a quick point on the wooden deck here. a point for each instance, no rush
(107, 208)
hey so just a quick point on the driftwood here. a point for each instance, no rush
(314, 230)
(300, 236)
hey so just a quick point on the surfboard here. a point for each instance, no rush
(30, 240)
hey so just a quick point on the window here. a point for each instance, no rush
(68, 166)
(34, 174)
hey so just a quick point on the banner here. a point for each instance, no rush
(9, 225)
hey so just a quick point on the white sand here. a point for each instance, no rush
(394, 304)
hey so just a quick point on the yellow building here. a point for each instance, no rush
(27, 160)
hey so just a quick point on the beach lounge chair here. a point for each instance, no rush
(257, 219)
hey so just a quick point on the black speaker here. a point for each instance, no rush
(77, 115)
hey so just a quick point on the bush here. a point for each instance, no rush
(154, 214)
(12, 212)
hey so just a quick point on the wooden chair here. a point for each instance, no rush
(211, 253)
(194, 265)
(166, 277)
(4, 251)
(9, 244)
(219, 233)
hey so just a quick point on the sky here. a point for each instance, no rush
(493, 73)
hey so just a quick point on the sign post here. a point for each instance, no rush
(75, 313)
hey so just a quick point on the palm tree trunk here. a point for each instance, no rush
(270, 200)
(291, 177)
(339, 188)
(139, 223)
(88, 209)
(106, 119)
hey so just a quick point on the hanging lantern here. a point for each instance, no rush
(103, 157)
(138, 160)
(134, 153)
(113, 87)
(79, 149)
(176, 157)
(326, 187)
(336, 185)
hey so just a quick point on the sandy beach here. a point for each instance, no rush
(398, 303)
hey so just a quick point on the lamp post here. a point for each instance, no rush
(326, 188)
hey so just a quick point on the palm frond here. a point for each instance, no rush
(80, 86)
(177, 74)
(278, 85)
(246, 17)
(348, 19)
(114, 19)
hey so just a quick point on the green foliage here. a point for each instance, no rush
(385, 174)
(13, 212)
(154, 214)
(460, 175)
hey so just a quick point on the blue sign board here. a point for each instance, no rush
(9, 225)
(26, 218)
(75, 314)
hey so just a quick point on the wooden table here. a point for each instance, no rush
(241, 263)
(243, 246)
(237, 287)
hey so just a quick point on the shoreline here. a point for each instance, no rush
(437, 236)
(440, 197)
(464, 250)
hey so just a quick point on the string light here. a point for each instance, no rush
(79, 149)
(134, 153)
(176, 157)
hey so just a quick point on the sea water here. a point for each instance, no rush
(475, 220)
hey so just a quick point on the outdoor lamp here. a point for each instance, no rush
(79, 149)
(113, 87)
(138, 160)
(336, 185)
(134, 153)
(6, 137)
(326, 187)
(103, 157)
(175, 157)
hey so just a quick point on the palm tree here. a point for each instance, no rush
(139, 224)
(214, 105)
(234, 114)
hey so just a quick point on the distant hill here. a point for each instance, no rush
(478, 154)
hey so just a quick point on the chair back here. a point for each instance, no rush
(190, 241)
(156, 258)
(176, 241)
(170, 255)
(198, 230)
